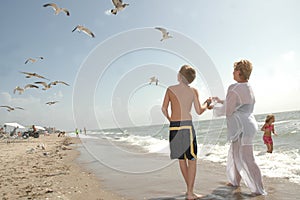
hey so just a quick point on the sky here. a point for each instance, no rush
(109, 74)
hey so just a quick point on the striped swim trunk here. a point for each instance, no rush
(183, 142)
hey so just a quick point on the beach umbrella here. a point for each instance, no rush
(40, 128)
(14, 124)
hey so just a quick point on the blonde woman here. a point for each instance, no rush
(241, 127)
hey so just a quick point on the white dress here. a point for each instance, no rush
(241, 127)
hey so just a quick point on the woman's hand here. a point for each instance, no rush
(218, 100)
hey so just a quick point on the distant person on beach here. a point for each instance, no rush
(241, 127)
(77, 132)
(14, 131)
(34, 129)
(2, 130)
(84, 130)
(35, 132)
(2, 133)
(182, 137)
(268, 129)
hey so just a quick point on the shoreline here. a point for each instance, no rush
(167, 183)
(45, 168)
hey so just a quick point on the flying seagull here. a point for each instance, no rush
(46, 86)
(51, 102)
(9, 108)
(56, 82)
(119, 6)
(165, 33)
(29, 75)
(84, 29)
(32, 60)
(153, 80)
(19, 89)
(57, 9)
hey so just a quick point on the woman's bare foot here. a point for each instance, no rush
(193, 196)
(231, 185)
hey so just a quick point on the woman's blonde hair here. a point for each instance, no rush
(269, 117)
(245, 68)
(188, 74)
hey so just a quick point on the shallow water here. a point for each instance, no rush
(212, 145)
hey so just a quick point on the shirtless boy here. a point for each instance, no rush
(182, 137)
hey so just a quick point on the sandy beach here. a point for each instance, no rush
(44, 168)
(52, 167)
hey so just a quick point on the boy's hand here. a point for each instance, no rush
(208, 102)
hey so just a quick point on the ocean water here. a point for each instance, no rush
(284, 162)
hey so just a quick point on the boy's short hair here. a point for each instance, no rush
(245, 68)
(187, 73)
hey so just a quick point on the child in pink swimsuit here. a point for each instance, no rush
(268, 129)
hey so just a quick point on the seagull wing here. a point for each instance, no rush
(88, 32)
(19, 108)
(152, 79)
(8, 107)
(29, 74)
(117, 3)
(53, 5)
(75, 28)
(62, 82)
(30, 86)
(51, 102)
(42, 83)
(66, 11)
(39, 76)
(164, 31)
(31, 60)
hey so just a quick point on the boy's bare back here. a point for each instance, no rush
(181, 99)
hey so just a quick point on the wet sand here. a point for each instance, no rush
(165, 182)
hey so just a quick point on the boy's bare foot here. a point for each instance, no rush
(193, 196)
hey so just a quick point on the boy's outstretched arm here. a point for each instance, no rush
(165, 105)
(197, 105)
